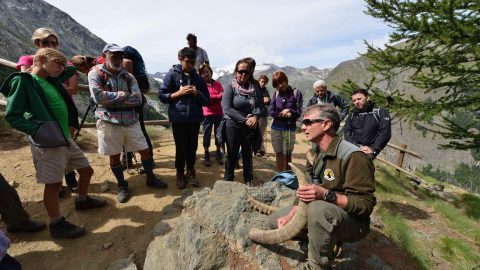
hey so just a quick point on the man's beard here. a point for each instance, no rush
(114, 68)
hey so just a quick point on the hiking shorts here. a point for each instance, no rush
(280, 141)
(52, 163)
(112, 138)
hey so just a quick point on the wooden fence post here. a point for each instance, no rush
(401, 156)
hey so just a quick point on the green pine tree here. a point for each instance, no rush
(437, 43)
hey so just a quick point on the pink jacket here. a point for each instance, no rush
(215, 105)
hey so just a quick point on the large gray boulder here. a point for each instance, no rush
(212, 232)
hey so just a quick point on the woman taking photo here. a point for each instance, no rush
(213, 113)
(242, 104)
(285, 108)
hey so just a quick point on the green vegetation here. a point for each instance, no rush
(417, 221)
(454, 250)
(440, 51)
(464, 176)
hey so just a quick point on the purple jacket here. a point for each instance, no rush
(286, 100)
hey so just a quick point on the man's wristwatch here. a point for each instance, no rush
(330, 196)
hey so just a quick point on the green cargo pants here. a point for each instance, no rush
(328, 225)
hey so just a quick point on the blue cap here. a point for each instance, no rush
(110, 47)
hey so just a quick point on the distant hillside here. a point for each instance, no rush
(402, 133)
(18, 20)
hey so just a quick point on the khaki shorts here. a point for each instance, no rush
(112, 138)
(279, 141)
(52, 163)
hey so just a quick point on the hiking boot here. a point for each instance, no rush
(156, 182)
(181, 183)
(122, 194)
(65, 229)
(219, 157)
(26, 226)
(192, 178)
(207, 161)
(89, 203)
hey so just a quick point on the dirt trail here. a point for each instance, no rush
(127, 226)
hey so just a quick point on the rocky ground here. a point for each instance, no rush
(125, 230)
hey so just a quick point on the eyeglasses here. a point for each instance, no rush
(243, 72)
(309, 122)
(47, 42)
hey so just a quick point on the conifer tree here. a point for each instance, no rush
(437, 43)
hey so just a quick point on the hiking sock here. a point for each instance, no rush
(118, 172)
(148, 166)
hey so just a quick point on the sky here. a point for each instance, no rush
(300, 33)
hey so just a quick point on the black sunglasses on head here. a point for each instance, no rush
(243, 72)
(309, 122)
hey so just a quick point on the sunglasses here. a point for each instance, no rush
(46, 42)
(309, 122)
(243, 72)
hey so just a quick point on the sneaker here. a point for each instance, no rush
(89, 203)
(207, 161)
(65, 229)
(156, 182)
(219, 157)
(192, 178)
(26, 226)
(122, 194)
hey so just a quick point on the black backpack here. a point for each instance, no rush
(138, 67)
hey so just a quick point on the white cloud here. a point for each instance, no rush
(297, 33)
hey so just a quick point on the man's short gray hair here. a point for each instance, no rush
(319, 83)
(325, 111)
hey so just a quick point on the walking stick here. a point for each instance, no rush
(289, 154)
(83, 121)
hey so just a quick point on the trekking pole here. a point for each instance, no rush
(288, 156)
(83, 121)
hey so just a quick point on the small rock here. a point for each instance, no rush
(13, 183)
(28, 175)
(16, 165)
(107, 245)
(104, 186)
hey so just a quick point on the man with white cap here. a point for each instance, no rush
(116, 93)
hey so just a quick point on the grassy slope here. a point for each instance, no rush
(436, 233)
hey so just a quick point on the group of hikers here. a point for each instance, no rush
(41, 104)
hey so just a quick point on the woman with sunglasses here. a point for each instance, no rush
(285, 108)
(242, 104)
(47, 38)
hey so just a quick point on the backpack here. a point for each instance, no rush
(375, 112)
(138, 67)
(287, 178)
(274, 100)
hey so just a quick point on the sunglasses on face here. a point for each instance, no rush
(309, 122)
(243, 72)
(46, 42)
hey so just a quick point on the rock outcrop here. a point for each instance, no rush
(212, 232)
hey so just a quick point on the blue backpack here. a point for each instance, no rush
(287, 178)
(138, 67)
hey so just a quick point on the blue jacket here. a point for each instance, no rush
(186, 109)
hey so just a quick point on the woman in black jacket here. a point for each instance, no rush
(242, 105)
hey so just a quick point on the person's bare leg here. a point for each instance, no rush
(50, 200)
(84, 180)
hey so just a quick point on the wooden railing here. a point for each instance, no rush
(400, 158)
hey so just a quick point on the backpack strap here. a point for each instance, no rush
(104, 78)
(376, 114)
